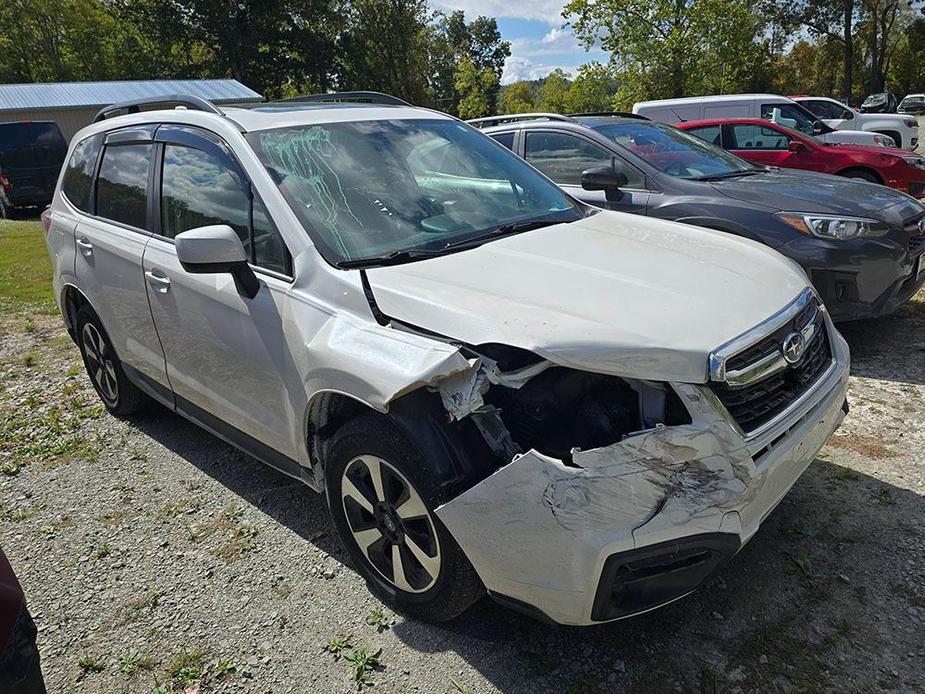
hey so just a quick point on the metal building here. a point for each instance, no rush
(72, 105)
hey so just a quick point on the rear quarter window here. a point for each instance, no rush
(78, 176)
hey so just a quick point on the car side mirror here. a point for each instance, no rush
(796, 146)
(603, 178)
(217, 249)
(817, 128)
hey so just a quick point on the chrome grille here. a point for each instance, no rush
(757, 383)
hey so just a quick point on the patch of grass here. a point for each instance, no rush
(884, 496)
(362, 663)
(846, 473)
(133, 662)
(337, 646)
(73, 371)
(91, 663)
(102, 551)
(29, 325)
(186, 668)
(376, 618)
(223, 669)
(25, 270)
(29, 359)
(237, 536)
(803, 565)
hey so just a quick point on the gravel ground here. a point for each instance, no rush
(157, 558)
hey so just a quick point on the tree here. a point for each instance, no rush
(516, 98)
(554, 92)
(834, 19)
(670, 48)
(452, 39)
(592, 89)
(474, 86)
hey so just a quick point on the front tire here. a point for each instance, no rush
(120, 396)
(381, 495)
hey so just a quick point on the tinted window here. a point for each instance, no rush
(121, 189)
(709, 133)
(369, 191)
(30, 145)
(506, 139)
(563, 157)
(199, 189)
(752, 137)
(78, 176)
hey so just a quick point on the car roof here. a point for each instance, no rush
(711, 99)
(570, 123)
(282, 115)
(722, 121)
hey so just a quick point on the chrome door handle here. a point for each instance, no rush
(85, 246)
(160, 282)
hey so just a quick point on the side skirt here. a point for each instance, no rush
(219, 428)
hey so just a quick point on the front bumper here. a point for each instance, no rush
(543, 535)
(861, 278)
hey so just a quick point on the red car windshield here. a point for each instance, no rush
(673, 151)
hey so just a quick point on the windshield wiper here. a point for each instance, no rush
(728, 174)
(506, 230)
(393, 258)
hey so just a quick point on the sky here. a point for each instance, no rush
(540, 42)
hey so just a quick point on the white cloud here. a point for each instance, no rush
(518, 68)
(549, 11)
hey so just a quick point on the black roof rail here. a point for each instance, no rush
(621, 114)
(488, 121)
(193, 103)
(336, 97)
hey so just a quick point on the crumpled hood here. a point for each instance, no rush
(805, 191)
(612, 293)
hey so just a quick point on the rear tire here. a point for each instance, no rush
(862, 174)
(381, 495)
(120, 396)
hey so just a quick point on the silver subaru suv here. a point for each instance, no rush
(498, 389)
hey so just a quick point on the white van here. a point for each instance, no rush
(775, 108)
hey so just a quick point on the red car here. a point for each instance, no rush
(763, 142)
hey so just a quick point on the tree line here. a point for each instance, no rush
(674, 48)
(279, 48)
(656, 48)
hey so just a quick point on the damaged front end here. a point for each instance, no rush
(612, 496)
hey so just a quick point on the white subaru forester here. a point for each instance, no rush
(584, 413)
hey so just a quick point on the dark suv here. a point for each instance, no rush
(860, 243)
(31, 155)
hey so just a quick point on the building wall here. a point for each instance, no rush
(69, 120)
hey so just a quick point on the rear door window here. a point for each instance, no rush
(78, 176)
(121, 188)
(756, 137)
(563, 157)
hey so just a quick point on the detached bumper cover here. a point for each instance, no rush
(543, 534)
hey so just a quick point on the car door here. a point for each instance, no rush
(228, 359)
(767, 145)
(110, 243)
(564, 156)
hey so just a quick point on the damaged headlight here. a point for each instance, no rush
(834, 226)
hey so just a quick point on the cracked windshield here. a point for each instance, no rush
(387, 190)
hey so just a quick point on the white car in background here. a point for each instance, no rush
(903, 129)
(778, 109)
